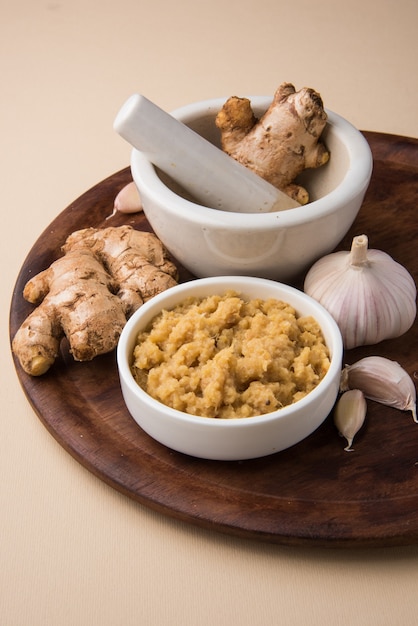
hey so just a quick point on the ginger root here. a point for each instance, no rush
(75, 299)
(137, 261)
(88, 294)
(283, 142)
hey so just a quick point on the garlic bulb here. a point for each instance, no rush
(349, 415)
(381, 380)
(370, 296)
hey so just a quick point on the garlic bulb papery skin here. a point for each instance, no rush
(369, 294)
(381, 380)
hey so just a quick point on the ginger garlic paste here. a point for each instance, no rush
(225, 357)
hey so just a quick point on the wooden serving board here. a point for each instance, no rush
(311, 494)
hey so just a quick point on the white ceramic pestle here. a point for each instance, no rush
(211, 176)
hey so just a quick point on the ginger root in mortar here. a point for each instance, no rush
(283, 142)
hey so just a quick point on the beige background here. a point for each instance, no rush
(72, 550)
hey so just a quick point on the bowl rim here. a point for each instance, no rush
(222, 283)
(355, 181)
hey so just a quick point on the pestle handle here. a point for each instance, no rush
(210, 175)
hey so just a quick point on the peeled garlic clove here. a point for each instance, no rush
(349, 415)
(128, 199)
(370, 296)
(381, 380)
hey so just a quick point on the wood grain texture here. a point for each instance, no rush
(313, 494)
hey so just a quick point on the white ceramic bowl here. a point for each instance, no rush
(278, 245)
(240, 438)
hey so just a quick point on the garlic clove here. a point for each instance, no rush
(382, 380)
(349, 415)
(370, 296)
(128, 199)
